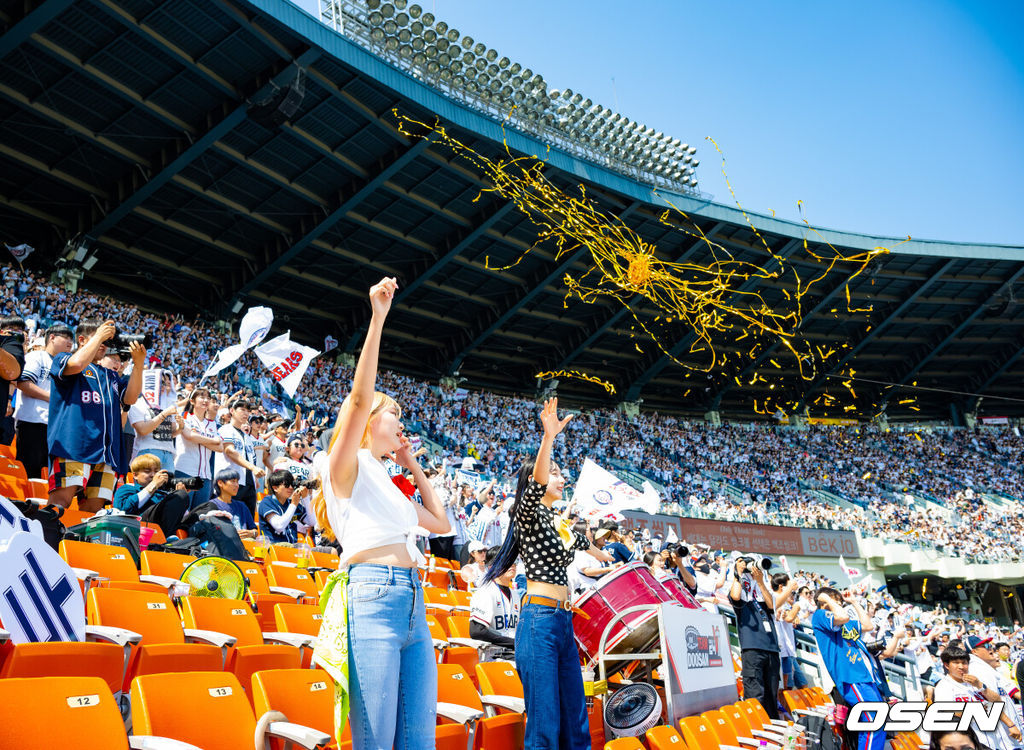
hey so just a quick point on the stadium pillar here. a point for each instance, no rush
(956, 416)
(713, 418)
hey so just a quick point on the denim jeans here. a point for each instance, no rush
(166, 459)
(548, 662)
(392, 668)
(795, 676)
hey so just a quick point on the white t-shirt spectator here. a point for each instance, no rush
(192, 458)
(243, 444)
(36, 371)
(278, 449)
(948, 689)
(301, 471)
(786, 633)
(159, 439)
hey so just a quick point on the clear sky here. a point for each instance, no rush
(890, 118)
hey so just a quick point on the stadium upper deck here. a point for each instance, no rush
(127, 123)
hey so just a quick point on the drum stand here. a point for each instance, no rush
(605, 657)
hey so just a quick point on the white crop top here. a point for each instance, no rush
(376, 515)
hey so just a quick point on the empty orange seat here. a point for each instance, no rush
(304, 696)
(624, 743)
(455, 688)
(107, 562)
(664, 738)
(65, 659)
(207, 709)
(298, 618)
(299, 579)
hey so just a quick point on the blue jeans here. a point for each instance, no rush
(795, 676)
(548, 662)
(166, 459)
(392, 671)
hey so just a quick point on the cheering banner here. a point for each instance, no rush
(599, 493)
(330, 343)
(286, 360)
(20, 252)
(253, 329)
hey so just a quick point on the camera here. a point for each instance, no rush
(765, 563)
(311, 484)
(875, 647)
(191, 483)
(682, 550)
(122, 341)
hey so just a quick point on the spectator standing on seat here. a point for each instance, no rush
(840, 642)
(754, 605)
(239, 453)
(33, 410)
(84, 431)
(392, 671)
(281, 513)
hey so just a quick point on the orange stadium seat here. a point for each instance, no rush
(624, 743)
(500, 687)
(12, 467)
(95, 562)
(299, 579)
(458, 702)
(466, 657)
(253, 650)
(304, 696)
(164, 647)
(664, 738)
(208, 709)
(167, 564)
(697, 733)
(65, 659)
(328, 560)
(298, 618)
(282, 553)
(726, 730)
(61, 712)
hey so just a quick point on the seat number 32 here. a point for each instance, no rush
(91, 397)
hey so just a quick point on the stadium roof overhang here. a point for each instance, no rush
(127, 122)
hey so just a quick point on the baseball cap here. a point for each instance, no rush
(974, 641)
(476, 546)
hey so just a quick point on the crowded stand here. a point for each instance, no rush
(231, 465)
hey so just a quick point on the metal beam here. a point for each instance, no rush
(955, 332)
(30, 24)
(535, 290)
(331, 219)
(464, 240)
(933, 278)
(716, 399)
(690, 337)
(1000, 371)
(636, 299)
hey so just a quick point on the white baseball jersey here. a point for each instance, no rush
(492, 608)
(948, 689)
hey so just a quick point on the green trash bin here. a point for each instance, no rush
(118, 531)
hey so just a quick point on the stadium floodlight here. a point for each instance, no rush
(428, 19)
(419, 59)
(373, 4)
(416, 28)
(516, 69)
(504, 63)
(405, 36)
(444, 59)
(400, 4)
(405, 51)
(391, 43)
(402, 19)
(491, 55)
(446, 75)
(441, 27)
(442, 43)
(453, 35)
(375, 18)
(480, 50)
(692, 150)
(480, 64)
(377, 34)
(433, 67)
(467, 42)
(455, 66)
(429, 36)
(390, 27)
(418, 44)
(415, 11)
(387, 10)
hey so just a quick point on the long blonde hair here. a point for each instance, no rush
(381, 401)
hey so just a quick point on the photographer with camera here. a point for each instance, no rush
(282, 516)
(754, 605)
(33, 410)
(84, 433)
(12, 361)
(155, 495)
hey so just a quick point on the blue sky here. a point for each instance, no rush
(886, 118)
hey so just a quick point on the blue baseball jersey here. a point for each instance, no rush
(290, 535)
(85, 415)
(842, 651)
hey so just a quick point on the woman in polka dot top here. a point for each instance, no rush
(546, 655)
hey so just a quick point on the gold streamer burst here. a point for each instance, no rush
(713, 300)
(577, 375)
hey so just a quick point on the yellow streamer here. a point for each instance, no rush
(577, 375)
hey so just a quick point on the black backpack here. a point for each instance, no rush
(216, 534)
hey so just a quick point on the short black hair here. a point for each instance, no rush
(779, 580)
(955, 653)
(239, 403)
(15, 322)
(88, 326)
(59, 329)
(827, 590)
(650, 557)
(491, 556)
(279, 477)
(999, 645)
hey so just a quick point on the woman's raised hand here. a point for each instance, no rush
(549, 418)
(381, 295)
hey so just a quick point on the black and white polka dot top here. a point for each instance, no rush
(540, 544)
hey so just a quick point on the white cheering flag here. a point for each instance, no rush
(20, 252)
(785, 564)
(253, 329)
(286, 360)
(599, 493)
(851, 573)
(330, 343)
